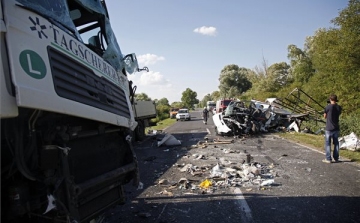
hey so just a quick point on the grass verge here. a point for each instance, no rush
(162, 124)
(317, 142)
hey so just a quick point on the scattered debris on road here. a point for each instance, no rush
(350, 142)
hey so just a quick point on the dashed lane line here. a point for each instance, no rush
(245, 210)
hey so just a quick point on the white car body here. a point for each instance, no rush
(220, 125)
(183, 114)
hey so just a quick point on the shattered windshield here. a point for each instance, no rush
(55, 11)
(86, 20)
(226, 102)
(229, 109)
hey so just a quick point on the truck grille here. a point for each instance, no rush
(74, 81)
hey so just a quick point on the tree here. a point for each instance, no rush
(142, 97)
(177, 104)
(205, 99)
(261, 81)
(162, 112)
(215, 95)
(301, 65)
(335, 55)
(233, 81)
(279, 76)
(189, 98)
(163, 101)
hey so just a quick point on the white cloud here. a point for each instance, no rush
(148, 59)
(155, 85)
(206, 30)
(150, 78)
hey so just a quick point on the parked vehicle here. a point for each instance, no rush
(66, 112)
(183, 114)
(210, 105)
(144, 111)
(173, 112)
(222, 104)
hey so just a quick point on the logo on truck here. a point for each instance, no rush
(32, 64)
(39, 28)
(77, 50)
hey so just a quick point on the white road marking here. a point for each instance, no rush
(244, 207)
(208, 131)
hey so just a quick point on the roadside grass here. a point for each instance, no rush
(317, 142)
(161, 124)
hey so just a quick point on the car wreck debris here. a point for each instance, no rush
(350, 142)
(253, 117)
(169, 140)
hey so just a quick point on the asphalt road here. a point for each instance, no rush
(303, 189)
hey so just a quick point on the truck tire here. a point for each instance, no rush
(140, 131)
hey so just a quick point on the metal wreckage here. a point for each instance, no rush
(275, 114)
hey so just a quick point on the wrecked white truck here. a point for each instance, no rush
(66, 113)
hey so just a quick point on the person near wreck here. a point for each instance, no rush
(332, 130)
(205, 115)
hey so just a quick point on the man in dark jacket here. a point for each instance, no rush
(205, 115)
(332, 113)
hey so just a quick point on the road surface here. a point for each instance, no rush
(302, 188)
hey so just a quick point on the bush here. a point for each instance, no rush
(350, 123)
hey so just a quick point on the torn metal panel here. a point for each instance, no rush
(302, 106)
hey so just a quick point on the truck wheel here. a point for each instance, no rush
(140, 131)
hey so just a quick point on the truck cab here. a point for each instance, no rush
(66, 113)
(222, 104)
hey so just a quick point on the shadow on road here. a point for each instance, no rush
(149, 204)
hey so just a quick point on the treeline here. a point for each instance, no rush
(188, 100)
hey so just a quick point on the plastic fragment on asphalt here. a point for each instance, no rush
(169, 140)
(141, 186)
(216, 171)
(267, 182)
(163, 182)
(205, 184)
(186, 167)
(183, 183)
(165, 192)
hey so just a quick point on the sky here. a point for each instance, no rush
(186, 44)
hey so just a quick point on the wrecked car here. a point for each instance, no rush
(239, 118)
(252, 117)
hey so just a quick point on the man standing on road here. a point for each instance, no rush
(332, 113)
(205, 115)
